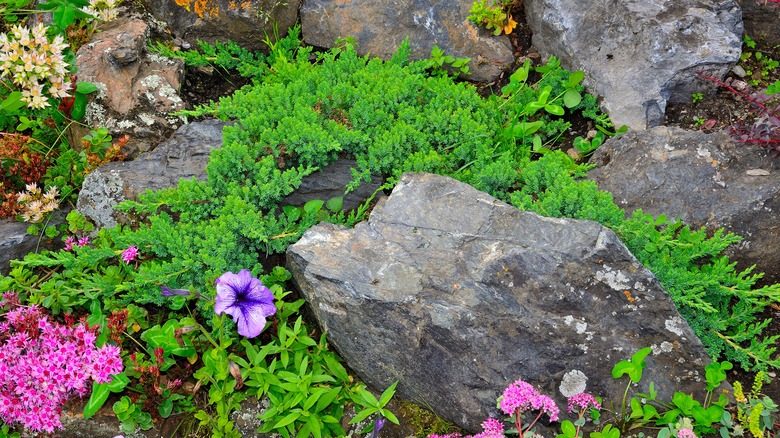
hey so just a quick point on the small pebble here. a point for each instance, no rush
(739, 71)
(739, 85)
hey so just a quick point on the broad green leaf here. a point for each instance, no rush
(576, 77)
(571, 98)
(388, 393)
(555, 110)
(86, 87)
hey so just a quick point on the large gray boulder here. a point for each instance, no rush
(638, 54)
(707, 180)
(380, 26)
(455, 295)
(247, 23)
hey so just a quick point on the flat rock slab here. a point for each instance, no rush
(638, 54)
(380, 26)
(706, 180)
(456, 294)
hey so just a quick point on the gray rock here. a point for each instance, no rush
(137, 91)
(639, 55)
(331, 182)
(705, 180)
(380, 26)
(456, 295)
(247, 23)
(761, 20)
(184, 155)
(14, 243)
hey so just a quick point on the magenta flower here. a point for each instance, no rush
(491, 428)
(581, 402)
(130, 254)
(69, 242)
(518, 396)
(83, 241)
(546, 404)
(245, 299)
(43, 364)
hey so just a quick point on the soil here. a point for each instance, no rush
(715, 110)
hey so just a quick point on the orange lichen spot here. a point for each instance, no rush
(184, 3)
(232, 5)
(246, 6)
(206, 7)
(627, 293)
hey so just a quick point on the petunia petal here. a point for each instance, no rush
(251, 323)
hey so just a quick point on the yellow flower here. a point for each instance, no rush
(510, 25)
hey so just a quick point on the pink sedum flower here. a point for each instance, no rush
(43, 364)
(581, 402)
(516, 396)
(130, 254)
(686, 433)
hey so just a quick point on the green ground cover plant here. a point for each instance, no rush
(154, 289)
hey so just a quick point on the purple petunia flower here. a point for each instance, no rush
(168, 292)
(245, 299)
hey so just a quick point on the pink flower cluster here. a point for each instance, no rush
(491, 428)
(523, 396)
(44, 363)
(582, 401)
(130, 254)
(70, 241)
(686, 433)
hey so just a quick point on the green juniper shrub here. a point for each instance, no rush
(390, 117)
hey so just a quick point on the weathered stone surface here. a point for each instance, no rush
(455, 295)
(331, 182)
(704, 179)
(247, 23)
(137, 91)
(762, 20)
(639, 55)
(184, 155)
(15, 243)
(380, 26)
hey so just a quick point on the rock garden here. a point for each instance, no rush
(390, 219)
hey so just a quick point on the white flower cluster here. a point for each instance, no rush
(36, 204)
(103, 10)
(33, 62)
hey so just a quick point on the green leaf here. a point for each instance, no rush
(13, 102)
(571, 98)
(362, 415)
(313, 206)
(288, 419)
(388, 393)
(335, 204)
(554, 109)
(390, 416)
(79, 106)
(99, 396)
(576, 77)
(369, 398)
(166, 408)
(86, 87)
